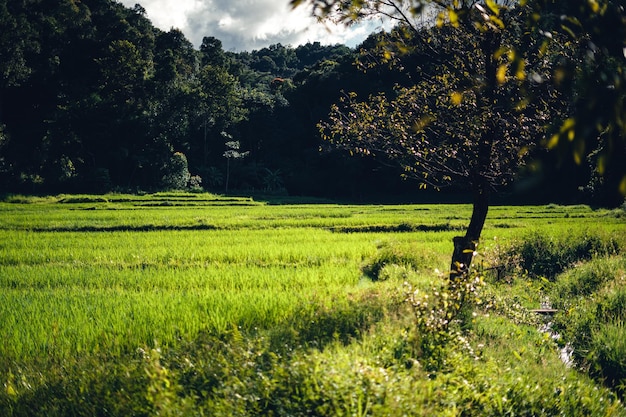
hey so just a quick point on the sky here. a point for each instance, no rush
(246, 25)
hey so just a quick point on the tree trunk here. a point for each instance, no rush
(465, 246)
(227, 173)
(205, 150)
(1, 108)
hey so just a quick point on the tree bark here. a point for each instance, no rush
(465, 246)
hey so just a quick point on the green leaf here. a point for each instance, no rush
(501, 74)
(454, 18)
(493, 6)
(456, 98)
(553, 142)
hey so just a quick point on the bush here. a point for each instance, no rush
(176, 175)
(195, 183)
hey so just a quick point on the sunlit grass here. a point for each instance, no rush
(228, 306)
(58, 323)
(81, 272)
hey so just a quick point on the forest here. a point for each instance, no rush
(94, 98)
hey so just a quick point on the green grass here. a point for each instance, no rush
(202, 305)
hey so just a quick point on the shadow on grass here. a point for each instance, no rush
(400, 228)
(125, 228)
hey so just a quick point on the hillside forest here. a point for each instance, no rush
(94, 98)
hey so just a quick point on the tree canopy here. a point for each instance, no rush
(592, 76)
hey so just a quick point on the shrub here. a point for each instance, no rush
(176, 174)
(195, 183)
(442, 318)
(212, 177)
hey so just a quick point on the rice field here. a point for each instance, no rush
(112, 273)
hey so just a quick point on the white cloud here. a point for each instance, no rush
(248, 24)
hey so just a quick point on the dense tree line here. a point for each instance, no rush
(94, 98)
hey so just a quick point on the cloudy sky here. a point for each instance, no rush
(248, 24)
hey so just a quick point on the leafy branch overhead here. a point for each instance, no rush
(591, 76)
(432, 128)
(232, 150)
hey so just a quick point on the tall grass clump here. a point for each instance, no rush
(539, 254)
(592, 304)
(587, 279)
(399, 259)
(607, 355)
(598, 336)
(584, 279)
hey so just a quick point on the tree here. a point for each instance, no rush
(211, 52)
(176, 174)
(219, 99)
(464, 121)
(595, 78)
(32, 49)
(232, 152)
(78, 91)
(17, 42)
(173, 102)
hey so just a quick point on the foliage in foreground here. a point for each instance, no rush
(239, 374)
(423, 359)
(592, 304)
(427, 347)
(584, 280)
